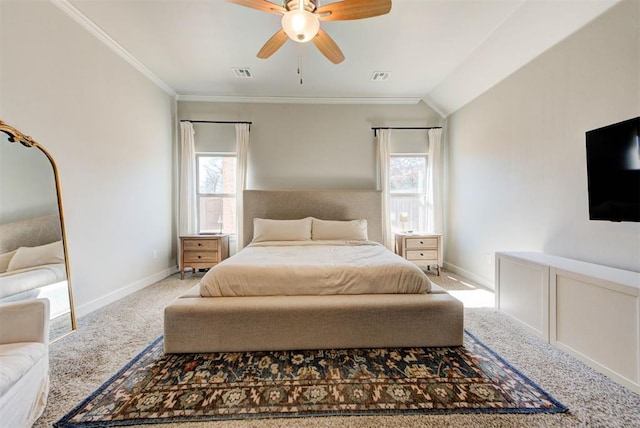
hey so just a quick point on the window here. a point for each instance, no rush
(408, 191)
(216, 192)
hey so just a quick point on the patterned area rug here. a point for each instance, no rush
(158, 388)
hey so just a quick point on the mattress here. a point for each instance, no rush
(302, 268)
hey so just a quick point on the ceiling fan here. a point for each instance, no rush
(301, 21)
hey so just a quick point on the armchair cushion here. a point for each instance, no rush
(16, 359)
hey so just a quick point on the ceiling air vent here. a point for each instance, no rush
(242, 73)
(379, 76)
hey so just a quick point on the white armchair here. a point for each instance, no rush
(24, 361)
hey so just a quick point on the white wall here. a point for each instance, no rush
(306, 146)
(110, 130)
(517, 162)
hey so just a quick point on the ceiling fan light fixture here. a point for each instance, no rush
(301, 26)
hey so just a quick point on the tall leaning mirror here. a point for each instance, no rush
(34, 260)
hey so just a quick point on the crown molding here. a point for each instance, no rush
(298, 100)
(89, 25)
(435, 107)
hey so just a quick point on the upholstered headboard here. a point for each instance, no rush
(30, 233)
(323, 204)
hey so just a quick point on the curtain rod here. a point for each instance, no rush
(406, 127)
(375, 129)
(213, 121)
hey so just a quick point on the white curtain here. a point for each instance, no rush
(242, 147)
(384, 156)
(434, 182)
(187, 216)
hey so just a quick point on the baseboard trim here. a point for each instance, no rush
(472, 276)
(118, 294)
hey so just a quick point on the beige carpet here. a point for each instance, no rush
(107, 339)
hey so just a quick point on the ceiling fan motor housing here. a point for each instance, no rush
(309, 5)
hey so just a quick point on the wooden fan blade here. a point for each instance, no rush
(353, 9)
(328, 47)
(273, 44)
(263, 5)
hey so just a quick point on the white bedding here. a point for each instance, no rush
(18, 281)
(313, 268)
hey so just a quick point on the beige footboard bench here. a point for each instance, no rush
(234, 324)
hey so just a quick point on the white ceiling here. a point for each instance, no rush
(445, 52)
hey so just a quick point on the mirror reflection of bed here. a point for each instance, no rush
(32, 250)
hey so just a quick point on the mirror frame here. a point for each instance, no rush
(15, 136)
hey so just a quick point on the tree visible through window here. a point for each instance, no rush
(216, 192)
(408, 189)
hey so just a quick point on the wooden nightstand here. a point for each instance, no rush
(423, 249)
(202, 251)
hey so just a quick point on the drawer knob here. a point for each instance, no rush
(199, 244)
(199, 257)
(421, 254)
(421, 242)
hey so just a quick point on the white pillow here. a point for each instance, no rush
(5, 259)
(26, 257)
(281, 230)
(342, 230)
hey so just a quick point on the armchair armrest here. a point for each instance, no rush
(24, 321)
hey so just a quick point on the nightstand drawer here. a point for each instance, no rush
(200, 257)
(200, 244)
(422, 255)
(421, 243)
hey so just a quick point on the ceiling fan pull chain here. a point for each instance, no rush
(300, 62)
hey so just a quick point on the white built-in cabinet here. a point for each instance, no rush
(589, 311)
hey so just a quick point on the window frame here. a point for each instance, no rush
(420, 195)
(199, 195)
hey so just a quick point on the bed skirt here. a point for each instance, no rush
(237, 324)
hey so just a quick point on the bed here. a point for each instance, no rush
(284, 295)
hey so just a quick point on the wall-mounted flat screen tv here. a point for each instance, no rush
(613, 171)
